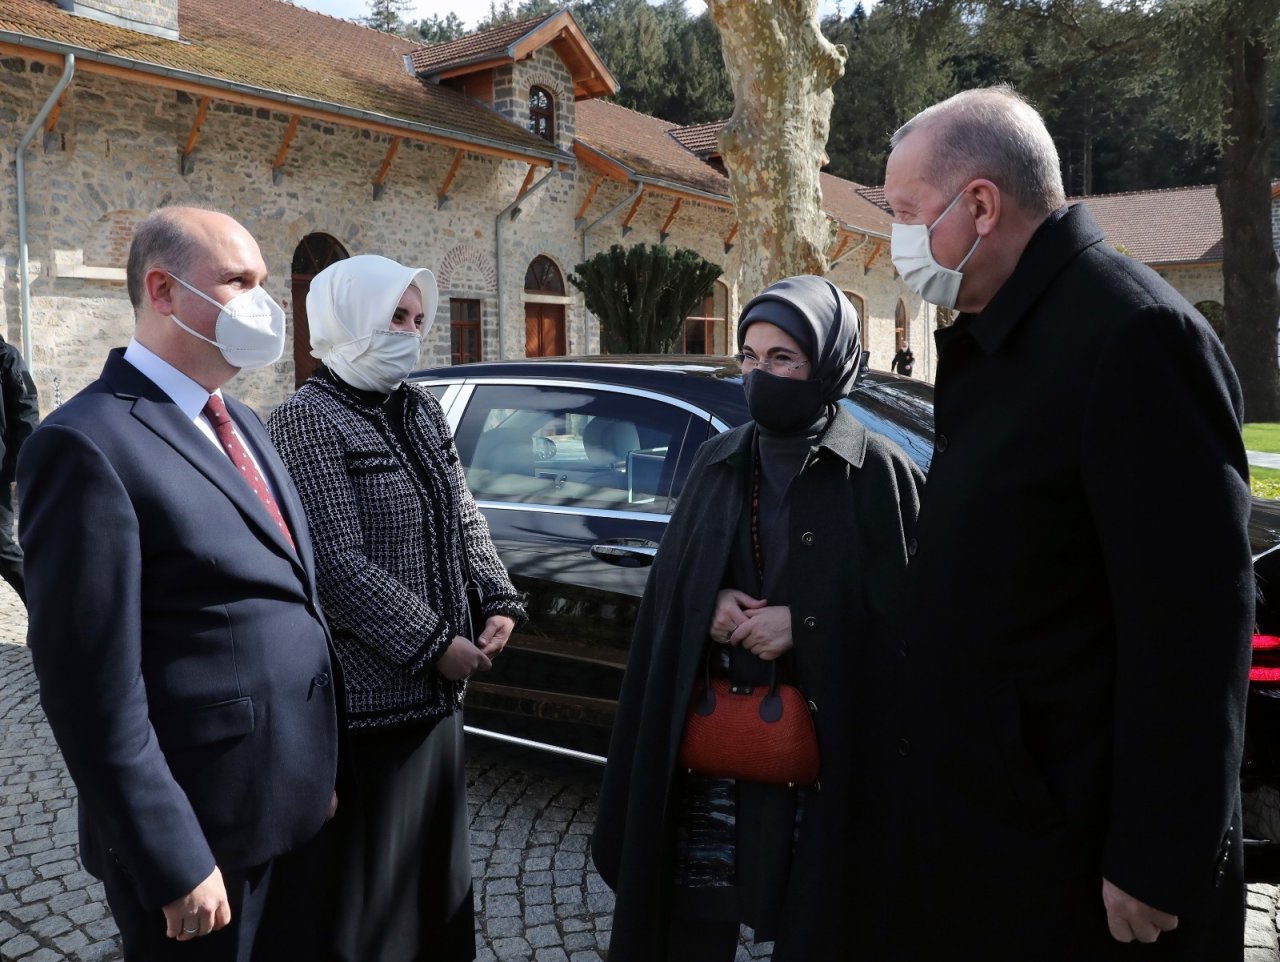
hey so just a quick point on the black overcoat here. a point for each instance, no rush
(1082, 602)
(852, 510)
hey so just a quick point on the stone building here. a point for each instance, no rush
(492, 160)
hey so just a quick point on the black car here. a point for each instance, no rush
(577, 465)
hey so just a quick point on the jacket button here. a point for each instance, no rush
(808, 537)
(321, 680)
(912, 547)
(940, 443)
(810, 621)
(904, 746)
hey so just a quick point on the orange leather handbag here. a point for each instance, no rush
(751, 733)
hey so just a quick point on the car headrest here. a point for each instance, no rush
(608, 441)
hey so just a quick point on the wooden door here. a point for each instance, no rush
(544, 330)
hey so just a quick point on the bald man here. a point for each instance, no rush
(174, 624)
(1063, 753)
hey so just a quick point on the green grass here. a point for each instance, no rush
(1261, 436)
(1265, 482)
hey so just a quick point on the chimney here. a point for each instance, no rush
(156, 17)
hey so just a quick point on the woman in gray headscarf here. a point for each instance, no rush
(395, 528)
(787, 552)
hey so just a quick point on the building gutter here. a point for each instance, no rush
(24, 280)
(586, 234)
(509, 212)
(484, 144)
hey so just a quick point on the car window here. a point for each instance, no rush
(575, 446)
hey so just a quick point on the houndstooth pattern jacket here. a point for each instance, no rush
(390, 526)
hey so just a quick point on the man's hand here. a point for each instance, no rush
(462, 658)
(1128, 919)
(203, 910)
(765, 632)
(497, 630)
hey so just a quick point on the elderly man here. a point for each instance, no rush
(1065, 742)
(174, 626)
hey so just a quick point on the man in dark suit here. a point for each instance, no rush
(182, 659)
(19, 415)
(1064, 749)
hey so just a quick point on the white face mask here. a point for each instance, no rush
(250, 327)
(383, 365)
(913, 257)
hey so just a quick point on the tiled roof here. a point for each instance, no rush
(273, 49)
(700, 138)
(847, 202)
(1182, 225)
(477, 46)
(645, 145)
(876, 196)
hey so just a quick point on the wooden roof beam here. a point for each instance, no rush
(840, 248)
(442, 195)
(635, 209)
(580, 217)
(871, 257)
(665, 232)
(51, 140)
(728, 238)
(277, 168)
(380, 179)
(528, 179)
(188, 162)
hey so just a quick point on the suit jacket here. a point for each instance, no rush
(1081, 602)
(852, 509)
(182, 657)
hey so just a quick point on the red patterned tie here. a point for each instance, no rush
(216, 412)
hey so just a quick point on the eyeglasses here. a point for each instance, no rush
(782, 363)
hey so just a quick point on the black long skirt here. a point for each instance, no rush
(402, 857)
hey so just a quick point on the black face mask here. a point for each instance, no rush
(783, 405)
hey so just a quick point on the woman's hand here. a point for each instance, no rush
(732, 607)
(462, 658)
(766, 632)
(497, 631)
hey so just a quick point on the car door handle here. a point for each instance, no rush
(625, 552)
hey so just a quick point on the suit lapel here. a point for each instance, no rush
(156, 410)
(277, 475)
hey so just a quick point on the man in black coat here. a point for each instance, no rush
(1070, 715)
(19, 415)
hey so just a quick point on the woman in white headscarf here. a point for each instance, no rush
(395, 528)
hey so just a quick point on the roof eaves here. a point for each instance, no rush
(551, 154)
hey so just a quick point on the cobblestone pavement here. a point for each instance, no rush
(537, 896)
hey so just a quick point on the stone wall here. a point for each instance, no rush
(116, 157)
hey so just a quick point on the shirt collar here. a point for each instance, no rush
(1059, 238)
(189, 396)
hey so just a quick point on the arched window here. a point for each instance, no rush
(315, 252)
(543, 277)
(544, 330)
(860, 305)
(542, 113)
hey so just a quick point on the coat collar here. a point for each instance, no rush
(1064, 234)
(157, 411)
(845, 437)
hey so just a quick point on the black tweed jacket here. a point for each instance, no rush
(390, 527)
